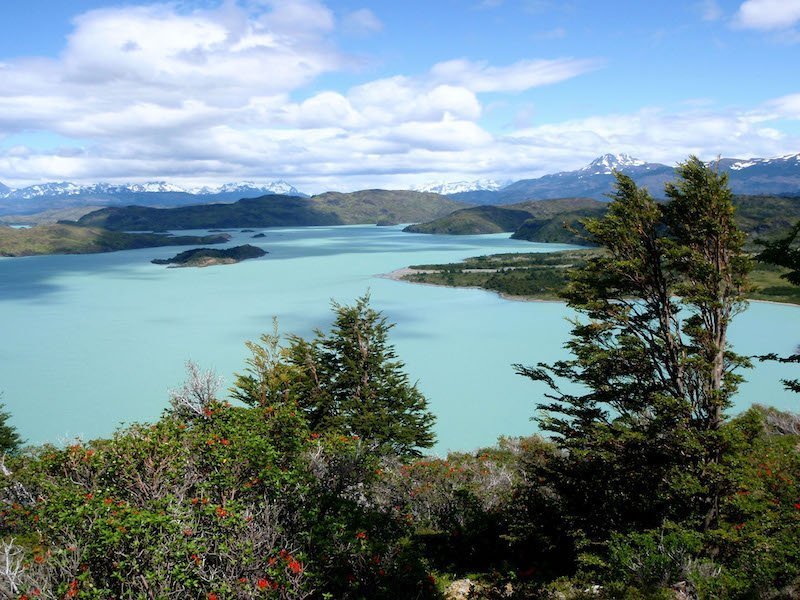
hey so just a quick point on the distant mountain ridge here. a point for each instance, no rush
(770, 176)
(456, 187)
(64, 194)
(66, 188)
(779, 175)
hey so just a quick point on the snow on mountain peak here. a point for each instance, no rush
(456, 187)
(609, 162)
(64, 188)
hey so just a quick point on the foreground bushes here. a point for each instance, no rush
(240, 502)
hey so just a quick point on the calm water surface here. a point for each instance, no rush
(89, 342)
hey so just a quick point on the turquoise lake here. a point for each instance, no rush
(90, 342)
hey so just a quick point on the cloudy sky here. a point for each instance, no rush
(349, 94)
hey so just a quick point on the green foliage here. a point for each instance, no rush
(350, 380)
(239, 502)
(9, 437)
(652, 364)
(785, 252)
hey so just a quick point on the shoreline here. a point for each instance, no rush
(400, 274)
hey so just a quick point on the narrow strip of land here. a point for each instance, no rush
(544, 276)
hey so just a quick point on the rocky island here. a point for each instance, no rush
(206, 257)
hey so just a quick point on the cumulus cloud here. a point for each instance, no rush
(766, 15)
(208, 96)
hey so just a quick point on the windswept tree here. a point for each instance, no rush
(639, 407)
(785, 252)
(348, 380)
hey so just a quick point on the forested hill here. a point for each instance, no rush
(332, 208)
(534, 220)
(558, 221)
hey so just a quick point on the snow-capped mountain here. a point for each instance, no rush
(64, 188)
(779, 175)
(457, 187)
(789, 161)
(606, 164)
(56, 195)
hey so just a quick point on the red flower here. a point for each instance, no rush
(73, 589)
(221, 512)
(361, 535)
(797, 505)
(295, 567)
(262, 584)
(212, 596)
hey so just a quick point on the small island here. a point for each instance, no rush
(206, 257)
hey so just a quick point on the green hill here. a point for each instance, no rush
(558, 221)
(331, 208)
(533, 220)
(71, 239)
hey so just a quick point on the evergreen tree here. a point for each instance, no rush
(348, 380)
(352, 381)
(9, 437)
(641, 430)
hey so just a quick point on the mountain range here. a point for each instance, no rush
(751, 176)
(747, 176)
(63, 195)
(457, 187)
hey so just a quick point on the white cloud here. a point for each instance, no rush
(787, 107)
(361, 22)
(768, 15)
(213, 96)
(517, 77)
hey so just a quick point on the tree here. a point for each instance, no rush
(9, 437)
(651, 372)
(785, 252)
(348, 380)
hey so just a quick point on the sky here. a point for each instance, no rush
(353, 94)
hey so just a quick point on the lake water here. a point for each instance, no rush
(89, 342)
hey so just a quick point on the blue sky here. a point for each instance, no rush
(346, 94)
